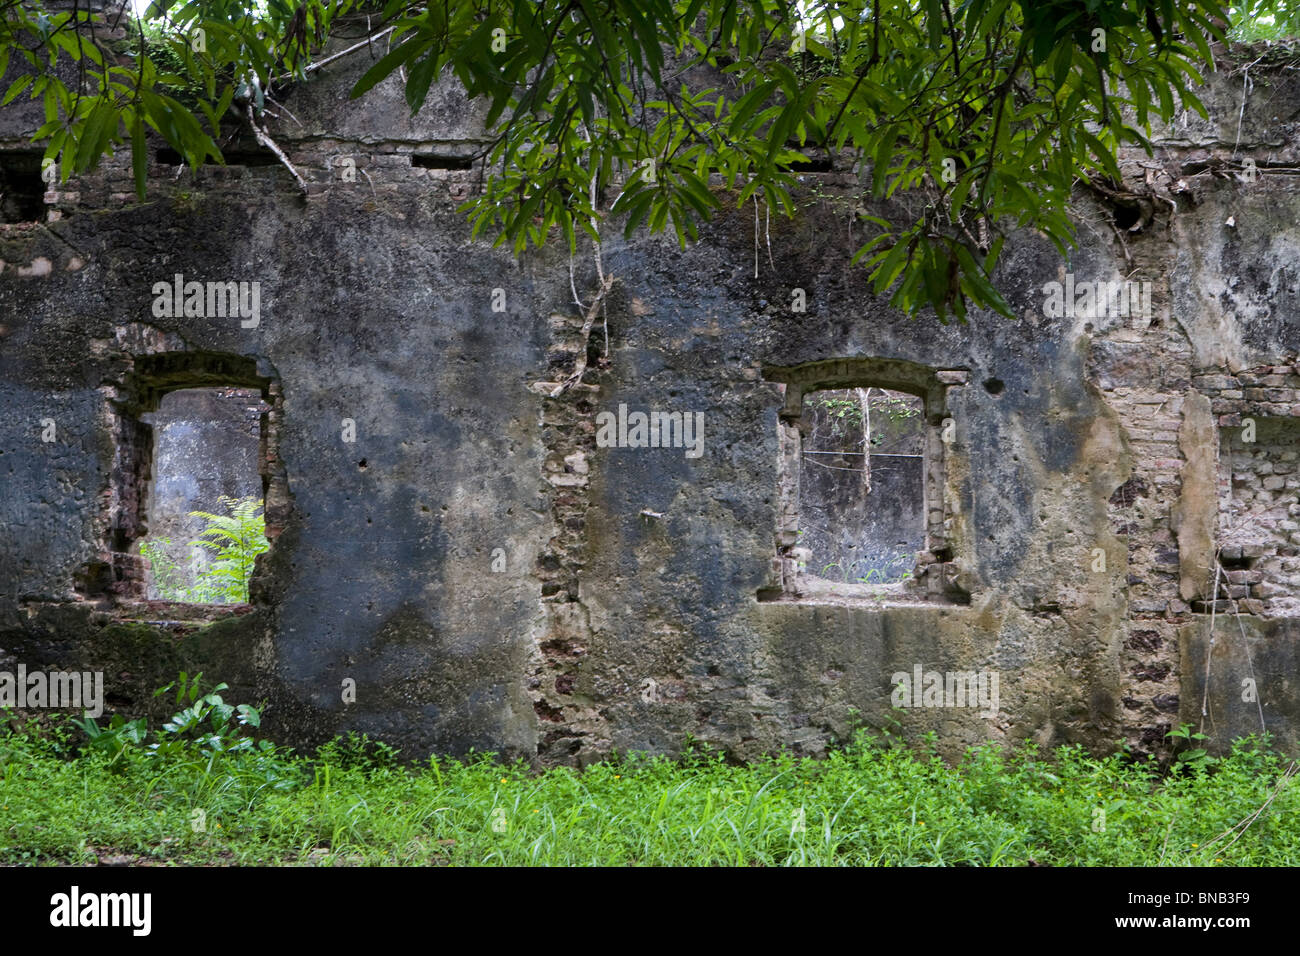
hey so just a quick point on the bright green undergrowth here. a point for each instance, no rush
(201, 793)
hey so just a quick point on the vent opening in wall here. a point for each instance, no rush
(441, 161)
(250, 155)
(813, 162)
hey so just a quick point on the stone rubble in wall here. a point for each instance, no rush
(1146, 391)
(1259, 488)
(320, 162)
(567, 729)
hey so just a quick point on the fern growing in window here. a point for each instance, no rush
(235, 541)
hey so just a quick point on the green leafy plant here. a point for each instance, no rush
(1195, 756)
(1271, 20)
(207, 721)
(358, 752)
(115, 738)
(885, 575)
(235, 540)
(168, 578)
(878, 797)
(892, 570)
(846, 413)
(897, 568)
(843, 568)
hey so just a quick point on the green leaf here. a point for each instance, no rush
(139, 157)
(95, 134)
(748, 104)
(388, 63)
(16, 88)
(887, 272)
(418, 80)
(882, 159)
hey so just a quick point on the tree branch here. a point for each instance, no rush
(589, 320)
(335, 56)
(264, 139)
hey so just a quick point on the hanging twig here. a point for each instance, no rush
(264, 139)
(573, 286)
(580, 367)
(331, 58)
(600, 270)
(285, 108)
(596, 247)
(1241, 114)
(864, 402)
(767, 234)
(1209, 652)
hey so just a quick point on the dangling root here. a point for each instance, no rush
(588, 321)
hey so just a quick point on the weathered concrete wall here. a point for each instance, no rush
(492, 577)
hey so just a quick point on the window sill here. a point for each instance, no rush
(169, 612)
(810, 589)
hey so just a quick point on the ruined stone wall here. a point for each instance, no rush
(1258, 412)
(450, 534)
(875, 534)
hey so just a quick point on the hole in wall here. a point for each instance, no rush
(1126, 216)
(22, 190)
(813, 163)
(136, 404)
(994, 386)
(907, 412)
(204, 509)
(441, 161)
(241, 156)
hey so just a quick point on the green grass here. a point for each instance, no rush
(871, 803)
